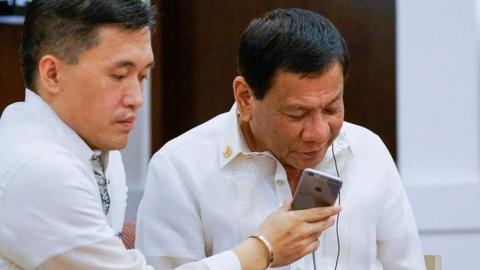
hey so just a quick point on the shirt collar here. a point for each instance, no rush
(103, 155)
(232, 143)
(341, 146)
(67, 137)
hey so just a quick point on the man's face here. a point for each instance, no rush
(299, 116)
(100, 95)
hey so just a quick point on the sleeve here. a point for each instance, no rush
(52, 208)
(169, 225)
(106, 255)
(398, 242)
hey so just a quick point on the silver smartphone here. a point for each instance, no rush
(316, 189)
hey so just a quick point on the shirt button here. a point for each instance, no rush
(279, 183)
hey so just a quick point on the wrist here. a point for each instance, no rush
(252, 254)
(267, 245)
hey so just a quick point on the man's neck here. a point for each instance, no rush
(249, 138)
(293, 175)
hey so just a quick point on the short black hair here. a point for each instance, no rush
(66, 28)
(293, 40)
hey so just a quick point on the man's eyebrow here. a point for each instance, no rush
(338, 97)
(127, 63)
(151, 65)
(302, 107)
(297, 106)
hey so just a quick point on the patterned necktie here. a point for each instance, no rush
(102, 182)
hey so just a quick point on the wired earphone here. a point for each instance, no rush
(338, 217)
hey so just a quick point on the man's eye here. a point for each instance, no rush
(330, 110)
(296, 116)
(118, 77)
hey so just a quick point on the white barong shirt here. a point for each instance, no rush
(206, 192)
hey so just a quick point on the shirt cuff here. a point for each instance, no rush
(222, 261)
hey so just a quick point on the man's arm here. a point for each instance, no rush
(51, 218)
(169, 227)
(170, 231)
(398, 243)
(106, 255)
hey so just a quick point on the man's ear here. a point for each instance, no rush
(244, 98)
(48, 74)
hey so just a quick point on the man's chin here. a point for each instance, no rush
(303, 164)
(311, 162)
(115, 144)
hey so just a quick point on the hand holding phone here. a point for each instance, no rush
(316, 189)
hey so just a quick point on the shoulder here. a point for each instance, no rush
(27, 141)
(355, 132)
(365, 144)
(49, 183)
(200, 141)
(361, 138)
(50, 169)
(192, 158)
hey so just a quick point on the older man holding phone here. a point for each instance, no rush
(213, 186)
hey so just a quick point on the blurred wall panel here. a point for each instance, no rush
(11, 82)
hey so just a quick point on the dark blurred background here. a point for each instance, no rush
(195, 46)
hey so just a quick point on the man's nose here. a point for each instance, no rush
(316, 129)
(134, 96)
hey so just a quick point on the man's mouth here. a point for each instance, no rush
(314, 153)
(128, 123)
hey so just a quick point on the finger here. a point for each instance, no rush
(316, 229)
(311, 247)
(319, 213)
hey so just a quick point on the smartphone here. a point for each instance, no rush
(316, 189)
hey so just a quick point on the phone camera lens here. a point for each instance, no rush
(318, 189)
(310, 173)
